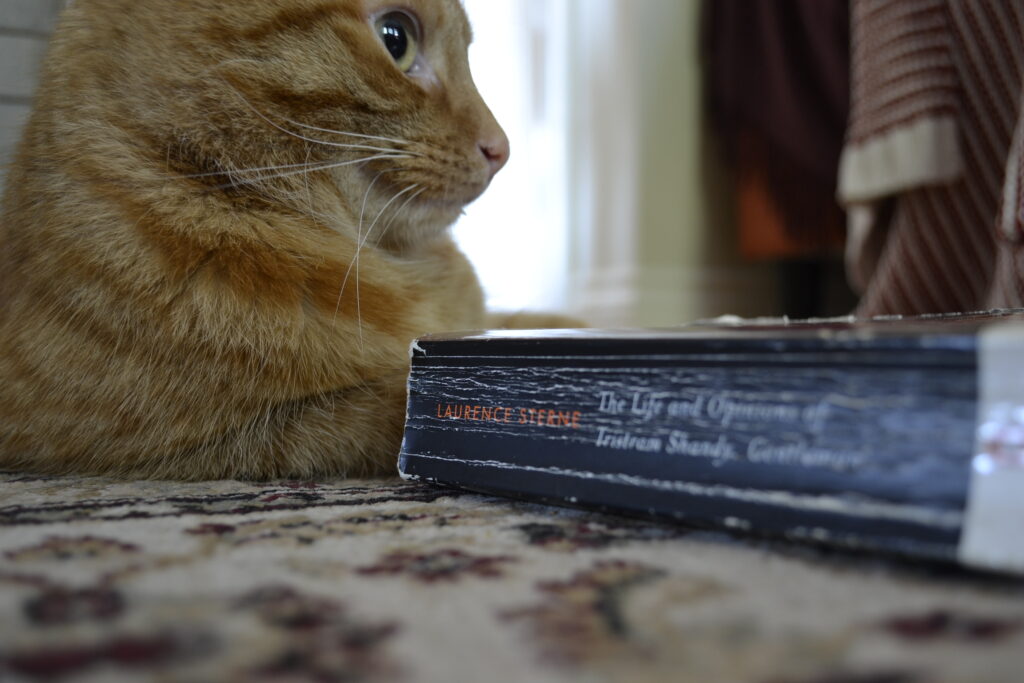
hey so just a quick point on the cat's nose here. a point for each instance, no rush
(495, 148)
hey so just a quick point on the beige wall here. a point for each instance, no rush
(654, 221)
(25, 26)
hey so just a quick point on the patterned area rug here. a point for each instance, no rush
(103, 580)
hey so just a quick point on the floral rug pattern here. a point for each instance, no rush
(104, 580)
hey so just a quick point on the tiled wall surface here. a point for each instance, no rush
(25, 26)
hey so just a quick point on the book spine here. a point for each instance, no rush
(873, 455)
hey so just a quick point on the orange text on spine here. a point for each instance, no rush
(544, 417)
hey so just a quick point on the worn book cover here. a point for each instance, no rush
(898, 435)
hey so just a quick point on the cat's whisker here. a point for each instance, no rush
(281, 167)
(306, 138)
(312, 169)
(254, 169)
(361, 242)
(398, 211)
(362, 136)
(343, 145)
(376, 220)
(359, 237)
(309, 192)
(359, 248)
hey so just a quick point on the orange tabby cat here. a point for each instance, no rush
(225, 224)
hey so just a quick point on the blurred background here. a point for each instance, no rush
(651, 176)
(646, 186)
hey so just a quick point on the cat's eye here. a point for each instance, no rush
(400, 34)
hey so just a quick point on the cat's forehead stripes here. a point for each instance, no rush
(302, 18)
(308, 16)
(455, 12)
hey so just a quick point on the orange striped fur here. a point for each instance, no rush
(181, 296)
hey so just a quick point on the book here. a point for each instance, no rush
(895, 435)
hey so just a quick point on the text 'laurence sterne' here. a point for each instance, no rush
(543, 417)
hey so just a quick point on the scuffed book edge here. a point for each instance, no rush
(403, 455)
(993, 532)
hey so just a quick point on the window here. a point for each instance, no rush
(517, 234)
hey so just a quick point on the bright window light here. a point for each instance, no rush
(517, 233)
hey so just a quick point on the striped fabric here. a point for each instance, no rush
(933, 146)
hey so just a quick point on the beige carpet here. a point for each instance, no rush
(388, 581)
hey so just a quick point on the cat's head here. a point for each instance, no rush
(237, 97)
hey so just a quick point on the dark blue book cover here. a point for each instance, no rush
(860, 434)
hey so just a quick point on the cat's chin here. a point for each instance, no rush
(425, 221)
(409, 207)
(444, 208)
